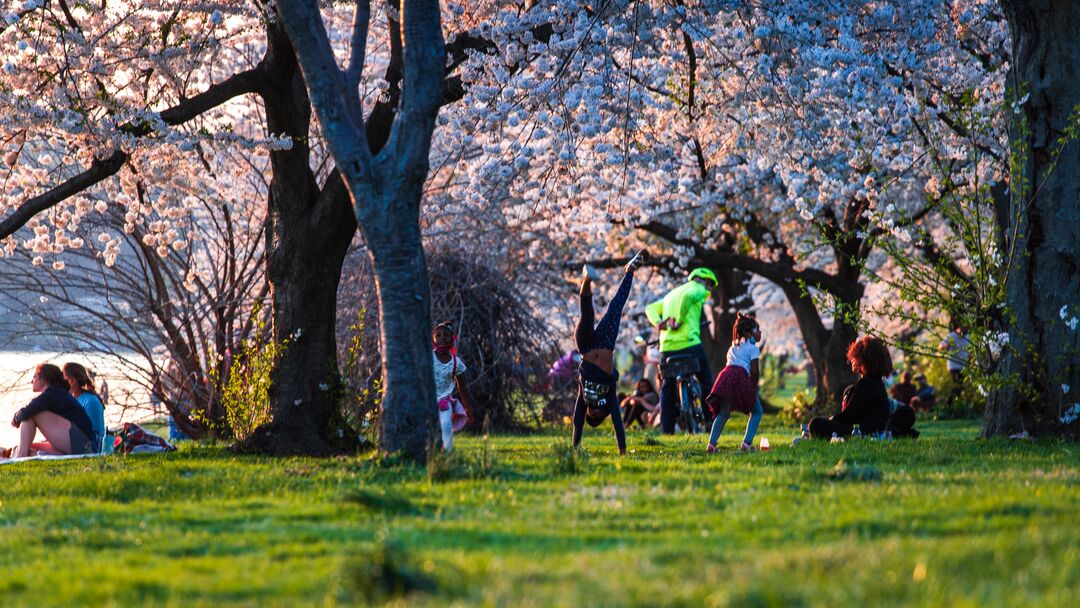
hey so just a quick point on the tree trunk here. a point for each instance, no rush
(1043, 216)
(733, 289)
(307, 236)
(397, 256)
(827, 349)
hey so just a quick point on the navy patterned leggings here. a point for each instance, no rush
(607, 331)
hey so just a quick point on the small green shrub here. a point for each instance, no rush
(382, 501)
(442, 465)
(801, 408)
(854, 472)
(245, 389)
(384, 573)
(568, 460)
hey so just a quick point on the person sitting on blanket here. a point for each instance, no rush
(59, 417)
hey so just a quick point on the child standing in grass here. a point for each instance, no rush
(736, 385)
(448, 368)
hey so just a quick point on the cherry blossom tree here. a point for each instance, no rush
(783, 139)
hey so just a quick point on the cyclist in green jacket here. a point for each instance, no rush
(678, 316)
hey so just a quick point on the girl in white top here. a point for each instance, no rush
(448, 368)
(736, 385)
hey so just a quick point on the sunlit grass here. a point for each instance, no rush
(945, 520)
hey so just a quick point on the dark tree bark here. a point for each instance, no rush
(385, 189)
(1043, 216)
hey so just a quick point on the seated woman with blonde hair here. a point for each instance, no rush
(62, 421)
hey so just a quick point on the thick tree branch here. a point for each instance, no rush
(239, 84)
(782, 273)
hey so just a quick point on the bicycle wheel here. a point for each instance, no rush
(687, 403)
(695, 406)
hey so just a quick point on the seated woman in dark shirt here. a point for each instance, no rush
(59, 417)
(865, 403)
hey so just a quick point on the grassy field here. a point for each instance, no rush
(524, 521)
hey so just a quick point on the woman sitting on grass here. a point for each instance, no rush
(736, 385)
(82, 388)
(59, 417)
(642, 406)
(865, 403)
(597, 375)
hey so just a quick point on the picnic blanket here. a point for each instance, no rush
(132, 439)
(48, 457)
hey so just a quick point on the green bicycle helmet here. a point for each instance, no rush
(704, 273)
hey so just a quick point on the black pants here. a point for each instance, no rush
(823, 428)
(669, 392)
(605, 333)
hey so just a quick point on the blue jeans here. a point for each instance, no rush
(751, 425)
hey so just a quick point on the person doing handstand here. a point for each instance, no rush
(597, 375)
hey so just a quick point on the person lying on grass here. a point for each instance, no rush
(62, 421)
(597, 375)
(736, 386)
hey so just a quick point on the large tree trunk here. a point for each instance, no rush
(1043, 217)
(386, 190)
(397, 256)
(733, 293)
(307, 236)
(827, 349)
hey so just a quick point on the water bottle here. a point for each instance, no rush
(836, 439)
(856, 433)
(764, 444)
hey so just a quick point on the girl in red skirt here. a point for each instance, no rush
(736, 386)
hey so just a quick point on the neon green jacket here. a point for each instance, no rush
(684, 304)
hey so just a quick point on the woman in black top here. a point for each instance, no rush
(866, 403)
(59, 417)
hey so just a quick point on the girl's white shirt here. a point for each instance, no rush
(742, 353)
(444, 375)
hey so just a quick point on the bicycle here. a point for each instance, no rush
(683, 369)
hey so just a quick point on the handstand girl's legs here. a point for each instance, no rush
(583, 334)
(607, 331)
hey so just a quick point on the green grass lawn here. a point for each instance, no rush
(948, 520)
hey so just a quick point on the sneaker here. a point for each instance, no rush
(590, 273)
(746, 447)
(710, 449)
(637, 261)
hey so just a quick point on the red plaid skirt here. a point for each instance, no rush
(733, 385)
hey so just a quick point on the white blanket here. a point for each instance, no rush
(51, 457)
